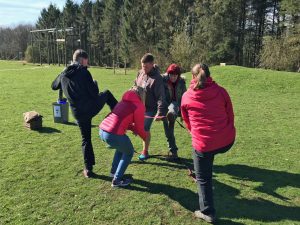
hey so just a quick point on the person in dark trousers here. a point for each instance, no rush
(150, 79)
(207, 111)
(174, 88)
(85, 101)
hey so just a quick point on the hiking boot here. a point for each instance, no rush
(143, 156)
(88, 173)
(172, 156)
(207, 218)
(121, 183)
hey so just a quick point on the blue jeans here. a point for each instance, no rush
(124, 152)
(148, 121)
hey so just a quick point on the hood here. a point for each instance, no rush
(210, 90)
(154, 71)
(131, 96)
(72, 69)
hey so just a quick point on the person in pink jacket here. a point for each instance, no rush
(207, 111)
(127, 115)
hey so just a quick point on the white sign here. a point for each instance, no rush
(57, 112)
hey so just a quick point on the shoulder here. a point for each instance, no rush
(182, 81)
(165, 77)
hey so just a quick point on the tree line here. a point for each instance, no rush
(252, 33)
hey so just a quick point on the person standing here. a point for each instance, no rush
(174, 88)
(149, 78)
(82, 92)
(207, 111)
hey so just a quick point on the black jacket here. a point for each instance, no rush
(78, 86)
(180, 88)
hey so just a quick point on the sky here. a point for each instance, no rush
(15, 12)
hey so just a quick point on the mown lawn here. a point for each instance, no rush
(256, 182)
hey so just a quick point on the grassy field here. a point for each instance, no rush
(256, 182)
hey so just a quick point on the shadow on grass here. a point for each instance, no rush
(228, 202)
(48, 130)
(187, 198)
(75, 124)
(232, 206)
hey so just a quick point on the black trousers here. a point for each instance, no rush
(203, 165)
(85, 126)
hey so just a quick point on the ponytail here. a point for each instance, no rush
(200, 80)
(199, 77)
(200, 73)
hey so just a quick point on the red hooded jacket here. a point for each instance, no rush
(208, 115)
(127, 115)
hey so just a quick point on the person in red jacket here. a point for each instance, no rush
(127, 115)
(207, 111)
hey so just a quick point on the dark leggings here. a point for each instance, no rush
(203, 165)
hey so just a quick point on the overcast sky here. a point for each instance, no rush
(14, 12)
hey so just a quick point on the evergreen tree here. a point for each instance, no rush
(84, 19)
(49, 18)
(70, 14)
(216, 30)
(111, 29)
(96, 34)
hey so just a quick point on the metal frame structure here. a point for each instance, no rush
(56, 42)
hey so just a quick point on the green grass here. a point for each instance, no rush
(256, 182)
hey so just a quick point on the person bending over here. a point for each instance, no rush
(127, 115)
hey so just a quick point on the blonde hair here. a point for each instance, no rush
(141, 92)
(199, 76)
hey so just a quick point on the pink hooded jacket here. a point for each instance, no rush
(127, 115)
(208, 115)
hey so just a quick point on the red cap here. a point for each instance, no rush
(174, 69)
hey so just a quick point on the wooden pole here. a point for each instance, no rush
(40, 52)
(48, 49)
(65, 36)
(57, 47)
(32, 49)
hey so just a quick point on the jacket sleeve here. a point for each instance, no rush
(159, 93)
(228, 106)
(183, 90)
(56, 84)
(185, 116)
(91, 86)
(138, 120)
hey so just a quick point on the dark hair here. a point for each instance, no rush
(147, 58)
(205, 68)
(79, 53)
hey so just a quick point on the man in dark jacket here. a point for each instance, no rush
(150, 79)
(85, 100)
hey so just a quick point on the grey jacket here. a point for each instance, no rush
(155, 94)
